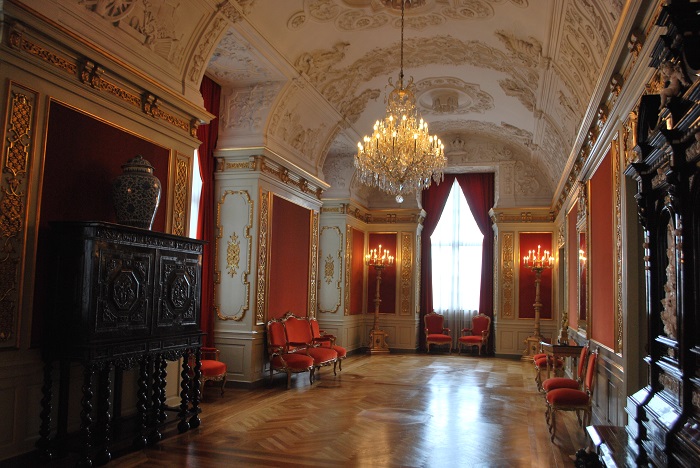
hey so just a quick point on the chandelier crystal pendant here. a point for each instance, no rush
(401, 156)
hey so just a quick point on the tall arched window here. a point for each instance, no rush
(456, 255)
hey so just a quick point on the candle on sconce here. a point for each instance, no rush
(539, 259)
(379, 257)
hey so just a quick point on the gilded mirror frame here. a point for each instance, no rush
(583, 269)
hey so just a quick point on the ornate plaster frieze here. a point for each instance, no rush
(338, 171)
(586, 37)
(235, 61)
(468, 97)
(157, 26)
(339, 84)
(96, 77)
(205, 47)
(458, 133)
(353, 108)
(245, 109)
(515, 216)
(522, 93)
(526, 51)
(364, 15)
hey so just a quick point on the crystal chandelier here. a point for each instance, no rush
(401, 157)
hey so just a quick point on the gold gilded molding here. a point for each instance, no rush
(182, 185)
(91, 74)
(406, 264)
(240, 314)
(313, 276)
(14, 185)
(348, 267)
(329, 269)
(283, 174)
(617, 228)
(507, 274)
(523, 217)
(233, 255)
(419, 247)
(263, 233)
(238, 165)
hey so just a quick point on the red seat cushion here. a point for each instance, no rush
(211, 368)
(439, 338)
(567, 397)
(342, 352)
(559, 382)
(294, 361)
(538, 356)
(322, 356)
(471, 339)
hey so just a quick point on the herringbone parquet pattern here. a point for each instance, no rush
(411, 410)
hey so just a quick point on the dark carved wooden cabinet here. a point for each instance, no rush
(122, 298)
(664, 417)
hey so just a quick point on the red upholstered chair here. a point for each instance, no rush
(212, 368)
(327, 340)
(570, 399)
(553, 383)
(435, 332)
(281, 360)
(300, 340)
(477, 335)
(543, 364)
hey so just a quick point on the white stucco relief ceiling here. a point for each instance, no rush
(513, 75)
(308, 78)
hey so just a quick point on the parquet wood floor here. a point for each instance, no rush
(396, 410)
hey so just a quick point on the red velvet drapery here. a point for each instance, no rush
(478, 189)
(208, 135)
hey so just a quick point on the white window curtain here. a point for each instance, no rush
(456, 251)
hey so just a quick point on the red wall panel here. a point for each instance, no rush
(290, 241)
(526, 296)
(602, 254)
(357, 272)
(388, 286)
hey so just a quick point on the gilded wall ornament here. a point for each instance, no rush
(233, 255)
(329, 269)
(507, 274)
(14, 185)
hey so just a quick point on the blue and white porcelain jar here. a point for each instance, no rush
(136, 194)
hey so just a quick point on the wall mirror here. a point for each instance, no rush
(583, 261)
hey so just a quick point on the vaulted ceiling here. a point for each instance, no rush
(497, 80)
(505, 84)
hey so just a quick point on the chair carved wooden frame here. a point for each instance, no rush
(300, 340)
(282, 359)
(435, 331)
(477, 335)
(569, 399)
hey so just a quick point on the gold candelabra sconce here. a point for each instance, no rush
(379, 259)
(537, 261)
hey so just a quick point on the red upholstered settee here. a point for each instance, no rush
(300, 339)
